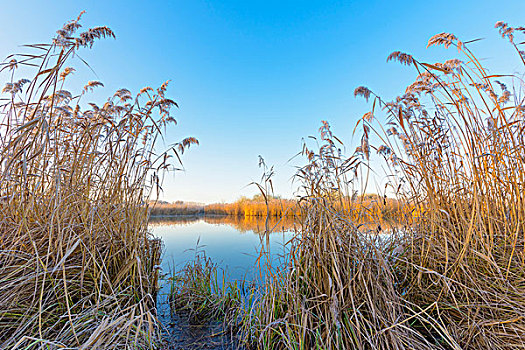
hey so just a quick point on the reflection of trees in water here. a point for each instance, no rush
(173, 220)
(256, 224)
(243, 224)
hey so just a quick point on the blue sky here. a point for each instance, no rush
(255, 77)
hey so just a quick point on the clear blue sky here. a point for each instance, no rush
(255, 77)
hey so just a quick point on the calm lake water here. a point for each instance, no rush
(233, 243)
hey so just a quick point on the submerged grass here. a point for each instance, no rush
(206, 307)
(202, 291)
(78, 268)
(453, 275)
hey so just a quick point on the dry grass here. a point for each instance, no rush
(201, 290)
(464, 161)
(455, 276)
(78, 268)
(338, 289)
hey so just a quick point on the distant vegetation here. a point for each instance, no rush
(255, 206)
(245, 207)
(363, 208)
(179, 208)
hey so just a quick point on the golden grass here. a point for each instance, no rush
(362, 208)
(464, 162)
(256, 206)
(78, 268)
(453, 278)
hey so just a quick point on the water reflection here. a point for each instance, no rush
(232, 242)
(242, 224)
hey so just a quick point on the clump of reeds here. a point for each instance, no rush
(206, 306)
(456, 136)
(201, 290)
(452, 277)
(337, 289)
(78, 268)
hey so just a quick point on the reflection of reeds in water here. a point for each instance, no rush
(240, 223)
(173, 220)
(255, 224)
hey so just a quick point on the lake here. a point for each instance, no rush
(233, 243)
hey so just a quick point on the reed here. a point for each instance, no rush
(200, 289)
(451, 276)
(78, 268)
(464, 164)
(338, 288)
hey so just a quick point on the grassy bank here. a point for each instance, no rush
(452, 276)
(78, 268)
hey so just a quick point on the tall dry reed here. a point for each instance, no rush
(463, 160)
(337, 289)
(78, 268)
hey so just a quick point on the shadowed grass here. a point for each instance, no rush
(207, 305)
(199, 290)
